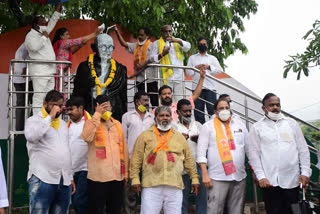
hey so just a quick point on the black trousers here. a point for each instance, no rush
(104, 194)
(152, 89)
(278, 200)
(20, 112)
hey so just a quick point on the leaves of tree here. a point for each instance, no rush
(309, 58)
(218, 20)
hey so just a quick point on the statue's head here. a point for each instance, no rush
(103, 45)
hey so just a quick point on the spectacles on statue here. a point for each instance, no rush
(106, 48)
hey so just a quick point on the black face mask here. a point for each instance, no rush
(202, 48)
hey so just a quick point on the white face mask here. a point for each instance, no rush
(274, 116)
(186, 120)
(224, 115)
(142, 43)
(43, 29)
(164, 127)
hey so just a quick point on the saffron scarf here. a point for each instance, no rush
(86, 115)
(55, 122)
(140, 53)
(100, 144)
(165, 60)
(224, 146)
(162, 144)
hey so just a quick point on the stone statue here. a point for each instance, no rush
(101, 74)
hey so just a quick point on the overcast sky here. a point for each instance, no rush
(272, 34)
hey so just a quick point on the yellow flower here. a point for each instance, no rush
(94, 74)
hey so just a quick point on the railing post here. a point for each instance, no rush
(10, 153)
(26, 111)
(254, 187)
(60, 79)
(69, 84)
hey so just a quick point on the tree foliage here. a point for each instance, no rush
(301, 62)
(312, 134)
(219, 20)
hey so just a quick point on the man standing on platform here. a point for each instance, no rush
(50, 173)
(190, 129)
(279, 156)
(142, 51)
(107, 159)
(39, 47)
(205, 61)
(134, 123)
(169, 50)
(222, 146)
(79, 152)
(162, 153)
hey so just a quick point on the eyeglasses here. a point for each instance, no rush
(106, 48)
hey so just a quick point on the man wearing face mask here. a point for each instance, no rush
(222, 146)
(142, 51)
(107, 159)
(134, 123)
(211, 65)
(279, 156)
(162, 153)
(169, 50)
(190, 130)
(39, 47)
(100, 74)
(50, 174)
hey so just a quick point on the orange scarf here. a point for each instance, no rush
(100, 144)
(140, 53)
(225, 144)
(162, 144)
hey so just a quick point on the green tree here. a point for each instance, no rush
(219, 20)
(301, 62)
(312, 134)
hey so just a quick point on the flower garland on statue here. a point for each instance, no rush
(94, 74)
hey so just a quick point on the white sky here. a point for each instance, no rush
(271, 35)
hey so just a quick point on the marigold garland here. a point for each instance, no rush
(94, 74)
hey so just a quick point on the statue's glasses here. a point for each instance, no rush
(109, 48)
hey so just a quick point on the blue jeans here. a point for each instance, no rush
(209, 96)
(48, 198)
(200, 199)
(80, 197)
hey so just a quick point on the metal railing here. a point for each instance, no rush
(10, 169)
(12, 107)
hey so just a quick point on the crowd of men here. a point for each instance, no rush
(104, 156)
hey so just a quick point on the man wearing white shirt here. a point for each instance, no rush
(39, 47)
(222, 146)
(19, 83)
(133, 124)
(203, 60)
(79, 152)
(50, 173)
(3, 189)
(190, 130)
(170, 51)
(279, 156)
